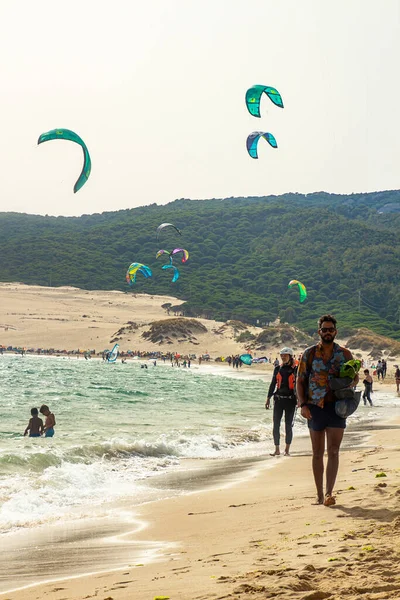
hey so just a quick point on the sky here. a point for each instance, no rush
(156, 89)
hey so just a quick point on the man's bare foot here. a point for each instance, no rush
(276, 453)
(286, 453)
(318, 501)
(329, 500)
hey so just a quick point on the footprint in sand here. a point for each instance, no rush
(118, 587)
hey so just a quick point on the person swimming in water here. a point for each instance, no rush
(35, 425)
(50, 421)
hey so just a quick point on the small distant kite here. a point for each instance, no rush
(252, 142)
(253, 98)
(67, 134)
(162, 252)
(176, 272)
(167, 225)
(185, 254)
(135, 268)
(302, 289)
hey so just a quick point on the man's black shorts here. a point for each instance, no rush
(325, 417)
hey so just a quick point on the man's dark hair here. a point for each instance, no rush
(326, 318)
(34, 412)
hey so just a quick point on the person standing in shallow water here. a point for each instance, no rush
(368, 381)
(282, 388)
(50, 421)
(35, 425)
(397, 378)
(317, 366)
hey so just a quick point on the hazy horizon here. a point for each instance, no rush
(157, 91)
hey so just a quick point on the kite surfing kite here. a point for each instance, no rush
(176, 272)
(67, 134)
(163, 225)
(185, 254)
(302, 289)
(162, 252)
(135, 268)
(252, 142)
(253, 98)
(246, 359)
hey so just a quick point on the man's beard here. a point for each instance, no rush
(327, 341)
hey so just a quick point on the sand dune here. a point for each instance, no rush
(70, 318)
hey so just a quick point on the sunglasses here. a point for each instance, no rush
(327, 329)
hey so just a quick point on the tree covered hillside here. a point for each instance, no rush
(243, 252)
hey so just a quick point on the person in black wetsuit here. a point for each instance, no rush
(368, 381)
(282, 388)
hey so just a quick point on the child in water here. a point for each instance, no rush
(35, 425)
(50, 421)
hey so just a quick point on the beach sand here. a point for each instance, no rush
(69, 318)
(252, 535)
(259, 536)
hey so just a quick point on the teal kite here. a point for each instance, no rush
(135, 268)
(302, 288)
(67, 134)
(253, 98)
(246, 359)
(176, 272)
(252, 142)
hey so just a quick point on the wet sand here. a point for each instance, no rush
(256, 534)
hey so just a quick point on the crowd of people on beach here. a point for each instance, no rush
(122, 354)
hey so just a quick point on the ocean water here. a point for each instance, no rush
(120, 431)
(117, 427)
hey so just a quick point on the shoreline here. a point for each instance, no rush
(220, 527)
(164, 523)
(73, 319)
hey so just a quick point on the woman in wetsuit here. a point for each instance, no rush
(282, 388)
(368, 381)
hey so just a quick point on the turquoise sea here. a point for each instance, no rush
(124, 435)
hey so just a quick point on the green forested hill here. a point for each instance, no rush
(243, 252)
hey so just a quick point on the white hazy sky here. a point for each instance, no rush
(156, 89)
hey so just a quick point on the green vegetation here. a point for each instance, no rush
(245, 337)
(282, 335)
(373, 343)
(168, 330)
(243, 252)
